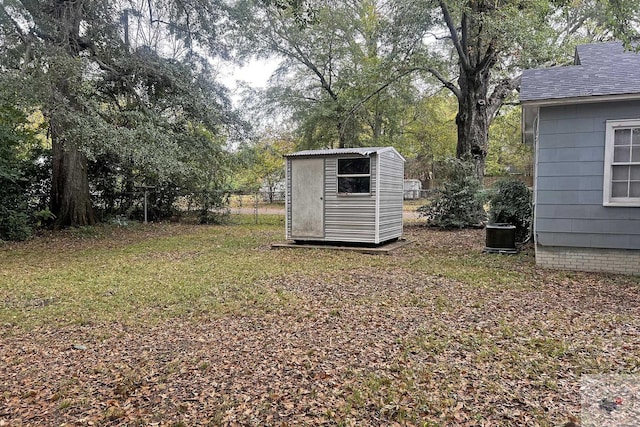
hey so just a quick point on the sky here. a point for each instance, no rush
(256, 73)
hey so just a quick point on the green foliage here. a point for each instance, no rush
(507, 154)
(260, 165)
(14, 222)
(459, 204)
(510, 202)
(208, 181)
(429, 136)
(132, 95)
(344, 78)
(197, 177)
(43, 217)
(15, 137)
(623, 17)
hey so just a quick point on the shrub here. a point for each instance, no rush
(14, 225)
(459, 203)
(510, 202)
(214, 207)
(14, 206)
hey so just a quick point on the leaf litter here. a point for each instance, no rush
(408, 342)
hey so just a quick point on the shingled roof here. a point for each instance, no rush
(601, 69)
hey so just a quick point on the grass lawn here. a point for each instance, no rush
(183, 325)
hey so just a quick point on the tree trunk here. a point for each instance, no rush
(473, 119)
(342, 125)
(70, 199)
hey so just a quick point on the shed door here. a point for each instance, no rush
(307, 192)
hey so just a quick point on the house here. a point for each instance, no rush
(584, 120)
(344, 195)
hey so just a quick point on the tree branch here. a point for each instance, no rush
(489, 57)
(446, 83)
(462, 54)
(500, 93)
(465, 33)
(297, 53)
(26, 38)
(360, 103)
(323, 81)
(19, 31)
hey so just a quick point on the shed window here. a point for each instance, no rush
(622, 163)
(354, 175)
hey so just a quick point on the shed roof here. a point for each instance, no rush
(602, 69)
(362, 151)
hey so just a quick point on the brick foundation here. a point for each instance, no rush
(589, 259)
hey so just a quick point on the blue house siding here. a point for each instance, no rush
(569, 179)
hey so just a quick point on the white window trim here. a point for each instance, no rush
(352, 175)
(607, 200)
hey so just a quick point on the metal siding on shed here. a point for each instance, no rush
(288, 198)
(391, 196)
(569, 179)
(353, 218)
(348, 218)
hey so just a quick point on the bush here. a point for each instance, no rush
(510, 202)
(14, 225)
(214, 206)
(459, 203)
(14, 182)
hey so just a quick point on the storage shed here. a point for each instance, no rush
(344, 195)
(584, 120)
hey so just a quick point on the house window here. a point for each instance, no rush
(354, 176)
(622, 163)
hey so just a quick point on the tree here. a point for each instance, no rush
(342, 77)
(493, 41)
(507, 154)
(260, 164)
(428, 136)
(478, 48)
(115, 77)
(623, 18)
(269, 166)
